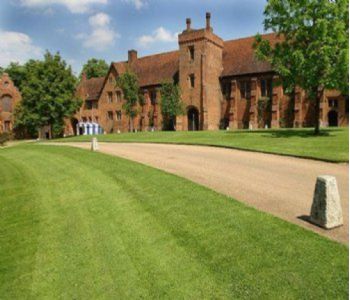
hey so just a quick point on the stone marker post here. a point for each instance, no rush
(94, 144)
(326, 210)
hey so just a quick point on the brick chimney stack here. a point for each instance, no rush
(207, 16)
(188, 23)
(132, 56)
(83, 76)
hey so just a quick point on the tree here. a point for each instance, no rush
(313, 49)
(128, 82)
(17, 73)
(95, 68)
(171, 105)
(47, 95)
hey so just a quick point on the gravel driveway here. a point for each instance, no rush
(282, 186)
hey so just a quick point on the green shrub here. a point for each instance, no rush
(4, 137)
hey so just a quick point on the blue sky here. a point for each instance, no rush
(81, 29)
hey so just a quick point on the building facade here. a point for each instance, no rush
(9, 98)
(222, 85)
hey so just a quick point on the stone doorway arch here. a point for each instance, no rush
(193, 118)
(332, 118)
(74, 123)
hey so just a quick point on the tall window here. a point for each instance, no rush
(119, 115)
(245, 89)
(191, 52)
(191, 80)
(7, 126)
(110, 97)
(266, 87)
(94, 104)
(5, 103)
(227, 90)
(153, 97)
(119, 96)
(110, 115)
(111, 79)
(332, 103)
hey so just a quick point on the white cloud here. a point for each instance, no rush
(102, 34)
(159, 35)
(99, 20)
(137, 3)
(74, 6)
(17, 47)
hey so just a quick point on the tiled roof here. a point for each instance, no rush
(153, 69)
(239, 58)
(94, 87)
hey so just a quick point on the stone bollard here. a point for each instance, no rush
(94, 144)
(326, 210)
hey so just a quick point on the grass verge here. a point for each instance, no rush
(332, 145)
(84, 225)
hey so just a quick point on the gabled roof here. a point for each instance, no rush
(94, 87)
(153, 69)
(239, 58)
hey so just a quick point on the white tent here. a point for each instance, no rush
(89, 128)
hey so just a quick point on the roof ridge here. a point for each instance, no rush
(148, 56)
(249, 37)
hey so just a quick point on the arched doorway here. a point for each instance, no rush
(332, 118)
(193, 119)
(74, 123)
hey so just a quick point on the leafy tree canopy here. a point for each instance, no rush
(48, 95)
(128, 82)
(17, 73)
(171, 104)
(95, 68)
(313, 50)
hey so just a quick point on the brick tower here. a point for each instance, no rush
(200, 67)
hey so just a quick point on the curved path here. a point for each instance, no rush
(280, 185)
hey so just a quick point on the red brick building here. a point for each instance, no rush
(9, 97)
(222, 85)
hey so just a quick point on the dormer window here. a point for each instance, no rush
(191, 80)
(191, 52)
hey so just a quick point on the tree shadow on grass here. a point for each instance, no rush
(288, 133)
(307, 133)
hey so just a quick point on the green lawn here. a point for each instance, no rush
(331, 145)
(76, 224)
